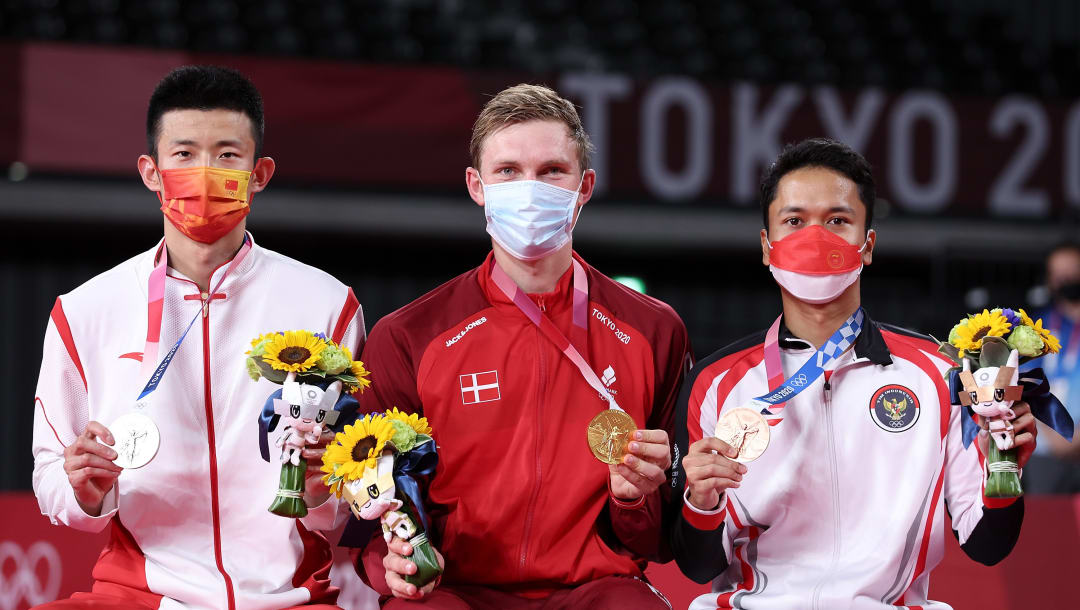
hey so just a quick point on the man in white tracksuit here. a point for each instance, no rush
(191, 527)
(845, 506)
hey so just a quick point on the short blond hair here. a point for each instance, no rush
(522, 103)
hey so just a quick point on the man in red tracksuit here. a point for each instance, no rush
(522, 512)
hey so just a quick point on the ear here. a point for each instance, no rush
(868, 251)
(333, 392)
(967, 365)
(260, 176)
(588, 183)
(148, 171)
(1014, 359)
(474, 185)
(765, 247)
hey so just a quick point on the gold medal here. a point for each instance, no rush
(608, 434)
(745, 430)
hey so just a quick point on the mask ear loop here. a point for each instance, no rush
(866, 240)
(161, 182)
(574, 208)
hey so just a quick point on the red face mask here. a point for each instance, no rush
(815, 265)
(204, 203)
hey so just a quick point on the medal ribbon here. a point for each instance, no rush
(781, 390)
(155, 293)
(579, 333)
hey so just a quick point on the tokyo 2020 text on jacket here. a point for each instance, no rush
(191, 527)
(846, 507)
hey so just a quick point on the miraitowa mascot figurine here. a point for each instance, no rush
(989, 348)
(293, 422)
(374, 465)
(990, 391)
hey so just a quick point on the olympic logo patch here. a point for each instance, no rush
(894, 408)
(798, 380)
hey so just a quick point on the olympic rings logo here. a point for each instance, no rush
(22, 583)
(798, 380)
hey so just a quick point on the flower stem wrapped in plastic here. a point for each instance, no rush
(372, 464)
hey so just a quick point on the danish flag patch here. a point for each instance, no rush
(479, 387)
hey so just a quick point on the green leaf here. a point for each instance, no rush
(950, 351)
(269, 372)
(994, 352)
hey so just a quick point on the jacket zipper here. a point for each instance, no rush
(536, 452)
(834, 488)
(208, 403)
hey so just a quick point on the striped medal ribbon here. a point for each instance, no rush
(782, 390)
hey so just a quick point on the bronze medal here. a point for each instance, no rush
(745, 430)
(609, 433)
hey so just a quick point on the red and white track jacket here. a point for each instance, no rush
(191, 527)
(518, 502)
(846, 507)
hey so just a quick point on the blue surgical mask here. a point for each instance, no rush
(528, 218)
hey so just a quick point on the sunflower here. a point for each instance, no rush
(355, 450)
(417, 423)
(357, 369)
(294, 351)
(970, 333)
(1053, 346)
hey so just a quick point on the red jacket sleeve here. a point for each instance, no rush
(640, 525)
(391, 359)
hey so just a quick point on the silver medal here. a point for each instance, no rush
(137, 439)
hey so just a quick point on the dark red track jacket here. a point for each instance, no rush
(518, 501)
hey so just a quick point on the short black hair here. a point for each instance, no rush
(819, 152)
(204, 88)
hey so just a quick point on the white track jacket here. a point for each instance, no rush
(846, 507)
(190, 529)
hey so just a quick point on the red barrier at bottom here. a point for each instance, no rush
(40, 562)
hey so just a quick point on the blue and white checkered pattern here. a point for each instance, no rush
(841, 339)
(771, 404)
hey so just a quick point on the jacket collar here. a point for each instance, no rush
(869, 345)
(558, 300)
(148, 260)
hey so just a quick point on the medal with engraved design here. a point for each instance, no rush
(745, 430)
(137, 440)
(608, 434)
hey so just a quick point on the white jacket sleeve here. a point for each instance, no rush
(333, 512)
(61, 412)
(963, 478)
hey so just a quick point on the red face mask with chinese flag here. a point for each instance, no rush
(815, 265)
(204, 203)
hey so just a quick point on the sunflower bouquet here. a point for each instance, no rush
(373, 464)
(989, 347)
(318, 377)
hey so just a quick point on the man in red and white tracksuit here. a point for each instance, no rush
(191, 527)
(522, 512)
(845, 508)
